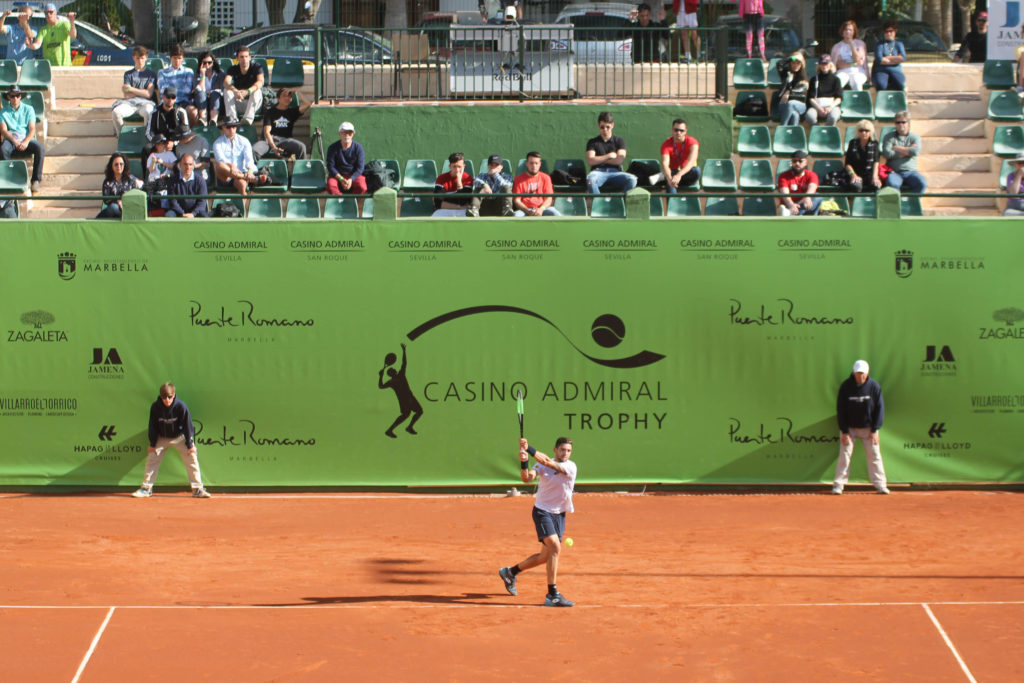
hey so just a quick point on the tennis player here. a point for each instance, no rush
(555, 480)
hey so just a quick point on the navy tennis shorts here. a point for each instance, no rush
(548, 524)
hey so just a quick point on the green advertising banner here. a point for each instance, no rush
(356, 353)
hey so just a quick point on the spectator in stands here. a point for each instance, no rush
(900, 148)
(346, 161)
(243, 88)
(851, 58)
(1015, 185)
(824, 94)
(974, 47)
(886, 72)
(793, 93)
(117, 180)
(679, 159)
(18, 128)
(752, 12)
(490, 181)
(161, 161)
(861, 160)
(456, 181)
(139, 89)
(798, 179)
(233, 163)
(168, 120)
(647, 34)
(177, 75)
(209, 91)
(686, 21)
(187, 181)
(19, 36)
(278, 124)
(605, 156)
(503, 9)
(534, 181)
(55, 37)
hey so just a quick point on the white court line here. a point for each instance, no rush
(92, 647)
(949, 643)
(396, 602)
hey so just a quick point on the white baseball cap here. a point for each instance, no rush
(510, 12)
(345, 125)
(861, 366)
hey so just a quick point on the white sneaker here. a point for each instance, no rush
(143, 492)
(882, 490)
(837, 490)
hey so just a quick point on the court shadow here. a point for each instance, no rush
(397, 570)
(427, 599)
(793, 453)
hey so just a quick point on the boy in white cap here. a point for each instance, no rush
(860, 411)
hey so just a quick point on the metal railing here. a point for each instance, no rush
(521, 62)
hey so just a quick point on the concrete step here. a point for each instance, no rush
(965, 202)
(58, 183)
(933, 127)
(972, 212)
(79, 146)
(962, 108)
(61, 213)
(71, 164)
(956, 145)
(951, 181)
(83, 128)
(980, 163)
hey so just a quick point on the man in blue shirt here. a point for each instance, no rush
(233, 163)
(18, 128)
(17, 47)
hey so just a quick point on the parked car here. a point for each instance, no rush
(92, 47)
(340, 46)
(602, 32)
(781, 37)
(920, 39)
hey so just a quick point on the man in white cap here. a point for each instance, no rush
(346, 161)
(1015, 185)
(55, 38)
(860, 411)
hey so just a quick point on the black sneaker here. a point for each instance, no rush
(557, 600)
(510, 581)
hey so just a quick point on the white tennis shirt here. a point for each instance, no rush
(554, 489)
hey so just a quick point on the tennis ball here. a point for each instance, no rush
(608, 330)
(568, 542)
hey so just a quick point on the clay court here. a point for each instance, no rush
(918, 585)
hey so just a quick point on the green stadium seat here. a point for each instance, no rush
(302, 207)
(131, 140)
(881, 136)
(754, 141)
(743, 96)
(680, 206)
(781, 167)
(278, 168)
(1008, 141)
(825, 141)
(521, 167)
(469, 168)
(34, 98)
(368, 208)
(857, 105)
(154, 64)
(657, 206)
(788, 139)
(264, 207)
(1005, 105)
(719, 175)
(721, 206)
(571, 165)
(651, 167)
(341, 207)
(419, 175)
(36, 75)
(238, 202)
(191, 63)
(13, 176)
(758, 206)
(571, 206)
(822, 167)
(287, 73)
(864, 206)
(135, 168)
(910, 206)
(309, 175)
(416, 207)
(608, 207)
(250, 133)
(225, 63)
(756, 176)
(888, 102)
(262, 61)
(774, 80)
(849, 134)
(749, 73)
(998, 74)
(209, 132)
(8, 73)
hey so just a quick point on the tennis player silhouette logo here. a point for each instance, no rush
(397, 382)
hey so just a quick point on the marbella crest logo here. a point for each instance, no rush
(904, 263)
(66, 265)
(607, 331)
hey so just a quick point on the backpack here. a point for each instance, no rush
(378, 175)
(227, 210)
(830, 207)
(753, 106)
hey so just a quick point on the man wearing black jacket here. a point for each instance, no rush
(170, 424)
(860, 411)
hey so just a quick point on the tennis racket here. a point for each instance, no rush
(519, 409)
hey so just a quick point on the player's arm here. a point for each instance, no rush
(524, 446)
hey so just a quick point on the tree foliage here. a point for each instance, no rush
(37, 318)
(1008, 315)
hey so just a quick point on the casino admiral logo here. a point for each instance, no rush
(904, 263)
(67, 265)
(607, 331)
